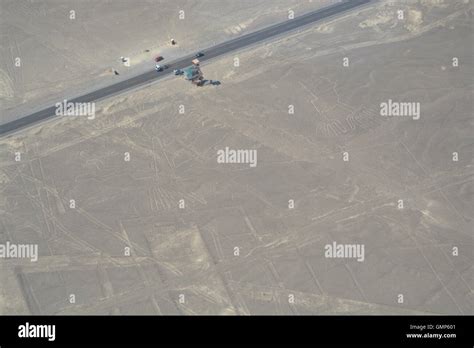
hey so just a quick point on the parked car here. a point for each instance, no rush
(198, 55)
(178, 71)
(159, 58)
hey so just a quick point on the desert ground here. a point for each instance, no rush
(173, 231)
(63, 57)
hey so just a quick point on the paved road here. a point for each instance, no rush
(210, 53)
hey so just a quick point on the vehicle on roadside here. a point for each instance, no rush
(178, 72)
(158, 68)
(198, 55)
(158, 59)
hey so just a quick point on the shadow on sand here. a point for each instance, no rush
(210, 83)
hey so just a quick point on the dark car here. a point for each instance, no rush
(158, 59)
(198, 55)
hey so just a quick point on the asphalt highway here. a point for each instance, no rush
(209, 53)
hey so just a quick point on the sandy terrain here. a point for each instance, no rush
(183, 259)
(63, 57)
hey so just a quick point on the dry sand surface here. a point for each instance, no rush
(64, 57)
(235, 246)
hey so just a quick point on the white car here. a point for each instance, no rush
(158, 67)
